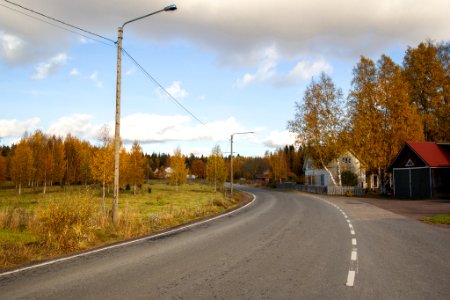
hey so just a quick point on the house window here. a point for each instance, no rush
(322, 179)
(347, 160)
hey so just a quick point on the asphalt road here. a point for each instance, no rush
(284, 245)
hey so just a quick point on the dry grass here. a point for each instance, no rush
(36, 226)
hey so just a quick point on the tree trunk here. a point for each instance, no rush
(103, 198)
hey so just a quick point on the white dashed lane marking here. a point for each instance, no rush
(354, 254)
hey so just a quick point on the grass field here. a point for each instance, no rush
(35, 226)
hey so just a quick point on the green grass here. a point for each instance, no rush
(438, 219)
(35, 226)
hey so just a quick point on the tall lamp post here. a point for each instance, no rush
(118, 89)
(231, 161)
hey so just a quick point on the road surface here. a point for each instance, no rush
(284, 245)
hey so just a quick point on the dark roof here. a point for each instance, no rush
(433, 154)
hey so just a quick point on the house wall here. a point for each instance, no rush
(348, 162)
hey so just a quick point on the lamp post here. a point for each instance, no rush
(231, 161)
(118, 92)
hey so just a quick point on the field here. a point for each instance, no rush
(35, 226)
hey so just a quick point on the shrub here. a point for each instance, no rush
(349, 178)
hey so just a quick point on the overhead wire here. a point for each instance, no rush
(55, 25)
(59, 21)
(137, 64)
(156, 82)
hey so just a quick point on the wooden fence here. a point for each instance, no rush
(328, 190)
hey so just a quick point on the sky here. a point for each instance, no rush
(235, 65)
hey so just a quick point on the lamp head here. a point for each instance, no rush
(170, 7)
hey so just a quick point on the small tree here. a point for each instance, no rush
(136, 166)
(179, 170)
(216, 171)
(103, 168)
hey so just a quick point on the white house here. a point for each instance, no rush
(319, 176)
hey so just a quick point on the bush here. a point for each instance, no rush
(67, 225)
(349, 178)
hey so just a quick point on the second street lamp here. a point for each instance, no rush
(118, 92)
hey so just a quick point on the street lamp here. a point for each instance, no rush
(117, 128)
(231, 161)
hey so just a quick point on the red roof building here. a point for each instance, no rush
(422, 170)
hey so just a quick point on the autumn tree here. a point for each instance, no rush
(179, 171)
(426, 69)
(2, 169)
(198, 168)
(319, 122)
(216, 171)
(103, 168)
(278, 164)
(381, 116)
(56, 147)
(21, 165)
(400, 120)
(136, 166)
(72, 174)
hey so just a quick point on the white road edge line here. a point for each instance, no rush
(148, 238)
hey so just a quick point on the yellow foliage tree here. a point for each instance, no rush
(216, 170)
(136, 166)
(178, 166)
(21, 165)
(103, 168)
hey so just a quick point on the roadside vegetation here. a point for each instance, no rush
(36, 226)
(438, 219)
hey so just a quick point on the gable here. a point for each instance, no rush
(407, 158)
(422, 154)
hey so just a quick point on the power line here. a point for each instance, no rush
(57, 26)
(161, 86)
(102, 37)
(59, 21)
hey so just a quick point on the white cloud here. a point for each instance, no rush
(268, 62)
(74, 72)
(96, 80)
(268, 70)
(49, 67)
(148, 128)
(235, 28)
(308, 69)
(176, 90)
(14, 128)
(78, 125)
(11, 47)
(277, 139)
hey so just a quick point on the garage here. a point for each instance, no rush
(421, 170)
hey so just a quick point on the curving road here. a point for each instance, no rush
(284, 245)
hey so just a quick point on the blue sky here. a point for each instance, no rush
(236, 65)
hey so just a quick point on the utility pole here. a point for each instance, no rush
(117, 143)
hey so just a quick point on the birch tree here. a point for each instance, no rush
(179, 171)
(427, 71)
(136, 166)
(216, 171)
(318, 123)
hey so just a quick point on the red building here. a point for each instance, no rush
(421, 170)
